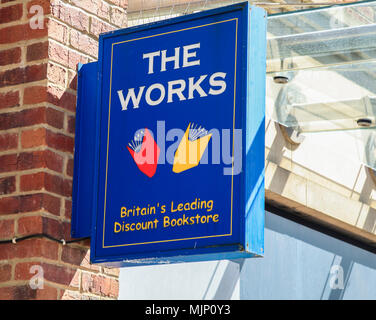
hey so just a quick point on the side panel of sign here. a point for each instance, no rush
(84, 167)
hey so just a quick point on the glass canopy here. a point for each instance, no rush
(321, 68)
(321, 72)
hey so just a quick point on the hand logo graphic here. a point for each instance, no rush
(145, 152)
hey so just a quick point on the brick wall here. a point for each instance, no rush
(37, 121)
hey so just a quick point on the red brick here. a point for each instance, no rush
(21, 32)
(60, 141)
(58, 185)
(25, 292)
(8, 141)
(73, 255)
(56, 74)
(71, 16)
(68, 209)
(53, 161)
(36, 94)
(51, 272)
(66, 231)
(99, 285)
(31, 160)
(79, 257)
(51, 204)
(55, 118)
(31, 117)
(61, 98)
(10, 56)
(72, 80)
(6, 231)
(97, 27)
(9, 205)
(65, 56)
(112, 271)
(8, 162)
(38, 224)
(30, 225)
(9, 99)
(7, 185)
(71, 124)
(84, 43)
(41, 248)
(6, 293)
(38, 159)
(58, 31)
(58, 53)
(10, 13)
(45, 4)
(5, 273)
(23, 75)
(34, 181)
(33, 138)
(30, 203)
(98, 8)
(70, 166)
(23, 118)
(37, 51)
(120, 3)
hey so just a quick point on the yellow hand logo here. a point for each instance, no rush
(189, 153)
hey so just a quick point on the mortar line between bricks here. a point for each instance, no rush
(50, 128)
(8, 4)
(60, 263)
(70, 45)
(30, 193)
(35, 149)
(65, 89)
(14, 23)
(22, 86)
(82, 53)
(37, 170)
(55, 285)
(38, 213)
(20, 108)
(24, 64)
(90, 14)
(23, 43)
(35, 127)
(34, 106)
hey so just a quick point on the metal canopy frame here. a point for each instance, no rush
(321, 72)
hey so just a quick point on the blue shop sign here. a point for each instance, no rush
(178, 163)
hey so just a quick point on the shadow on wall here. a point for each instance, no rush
(277, 151)
(301, 263)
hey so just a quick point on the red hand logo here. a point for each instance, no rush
(145, 153)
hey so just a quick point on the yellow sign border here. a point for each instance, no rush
(108, 135)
